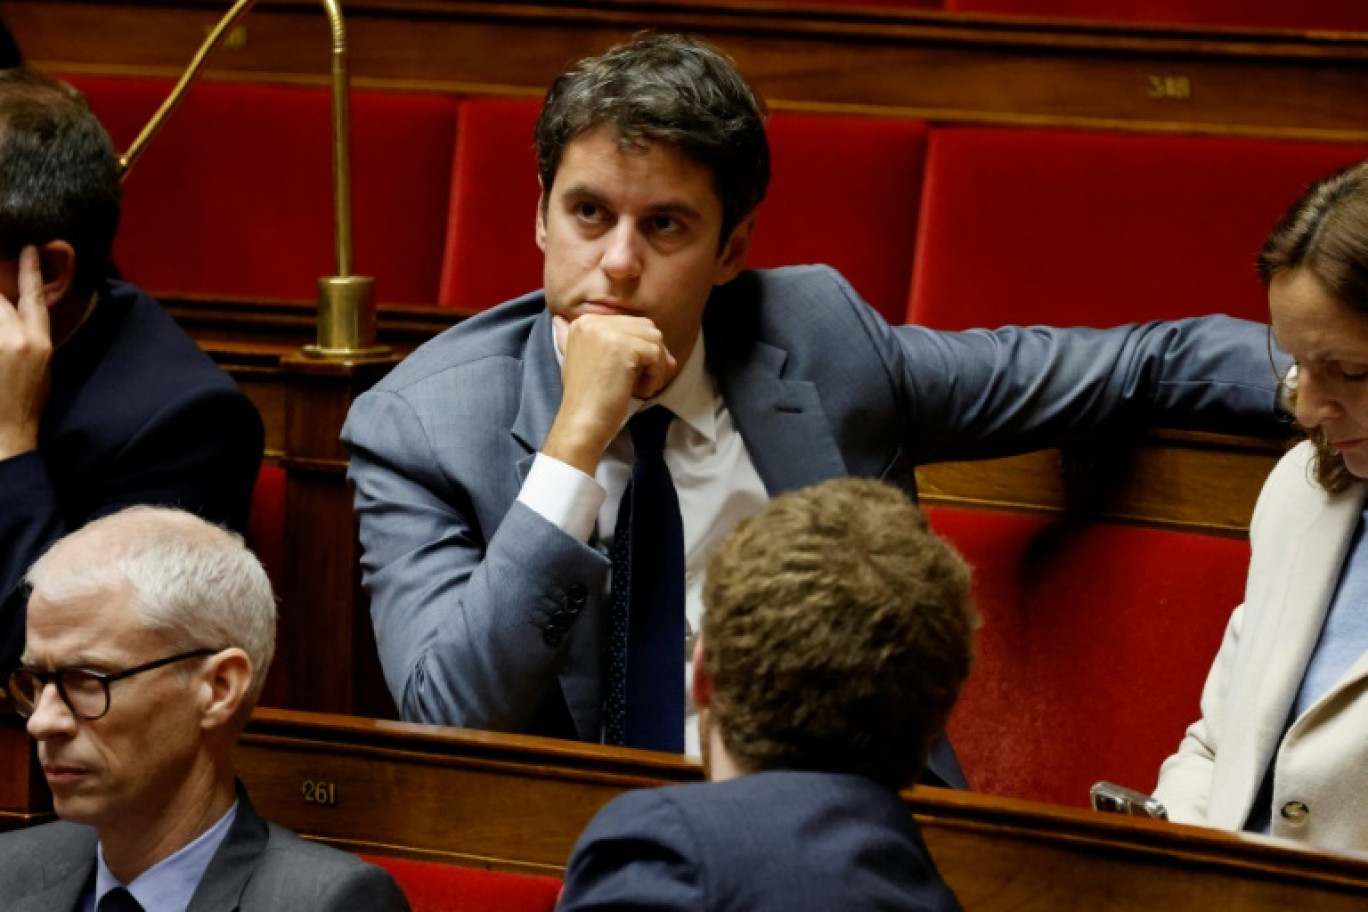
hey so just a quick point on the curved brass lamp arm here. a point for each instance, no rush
(187, 79)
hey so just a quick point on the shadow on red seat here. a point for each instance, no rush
(1096, 640)
(433, 887)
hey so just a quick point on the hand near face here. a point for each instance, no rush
(25, 355)
(609, 359)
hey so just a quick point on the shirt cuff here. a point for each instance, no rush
(563, 496)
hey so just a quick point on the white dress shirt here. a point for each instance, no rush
(713, 475)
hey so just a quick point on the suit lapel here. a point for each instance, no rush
(234, 863)
(1300, 601)
(70, 877)
(541, 394)
(782, 421)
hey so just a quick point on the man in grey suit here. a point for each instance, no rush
(489, 466)
(149, 633)
(837, 633)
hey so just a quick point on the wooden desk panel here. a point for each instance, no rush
(519, 803)
(930, 64)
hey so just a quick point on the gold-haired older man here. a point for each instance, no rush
(149, 634)
(836, 635)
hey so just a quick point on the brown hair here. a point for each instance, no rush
(1326, 233)
(669, 89)
(838, 631)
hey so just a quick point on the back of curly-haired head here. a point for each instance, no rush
(837, 633)
(669, 89)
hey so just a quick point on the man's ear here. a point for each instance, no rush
(57, 263)
(733, 257)
(541, 216)
(224, 681)
(702, 681)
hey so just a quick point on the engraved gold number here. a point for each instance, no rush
(1170, 88)
(324, 793)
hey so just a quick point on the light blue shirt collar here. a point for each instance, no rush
(170, 884)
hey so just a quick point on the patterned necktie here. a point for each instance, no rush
(119, 900)
(644, 702)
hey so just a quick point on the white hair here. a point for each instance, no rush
(195, 582)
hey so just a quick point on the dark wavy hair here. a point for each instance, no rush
(1326, 233)
(837, 633)
(669, 89)
(59, 174)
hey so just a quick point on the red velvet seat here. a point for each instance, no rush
(845, 191)
(491, 252)
(1095, 643)
(1332, 15)
(433, 887)
(234, 196)
(1081, 228)
(266, 522)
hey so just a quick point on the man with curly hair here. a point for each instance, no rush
(838, 630)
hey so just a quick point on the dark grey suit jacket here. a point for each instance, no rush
(258, 868)
(782, 841)
(488, 616)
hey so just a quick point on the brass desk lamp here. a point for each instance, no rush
(346, 303)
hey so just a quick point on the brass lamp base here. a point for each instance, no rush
(346, 320)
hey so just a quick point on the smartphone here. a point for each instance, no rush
(1117, 799)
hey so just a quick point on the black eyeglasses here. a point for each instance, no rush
(85, 692)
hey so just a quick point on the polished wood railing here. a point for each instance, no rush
(519, 803)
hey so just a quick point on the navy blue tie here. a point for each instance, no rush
(644, 702)
(119, 900)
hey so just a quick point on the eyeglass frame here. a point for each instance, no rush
(103, 678)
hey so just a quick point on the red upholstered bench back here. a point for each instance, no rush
(1345, 15)
(1081, 228)
(1095, 643)
(266, 522)
(491, 249)
(234, 196)
(432, 887)
(845, 191)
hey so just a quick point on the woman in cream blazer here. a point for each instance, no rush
(1304, 544)
(1320, 786)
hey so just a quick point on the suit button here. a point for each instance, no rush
(1296, 813)
(552, 635)
(576, 596)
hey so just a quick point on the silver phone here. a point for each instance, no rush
(1117, 799)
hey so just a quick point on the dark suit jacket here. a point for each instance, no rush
(136, 414)
(259, 866)
(488, 616)
(787, 841)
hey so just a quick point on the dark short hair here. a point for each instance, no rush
(837, 633)
(59, 174)
(1326, 233)
(670, 89)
